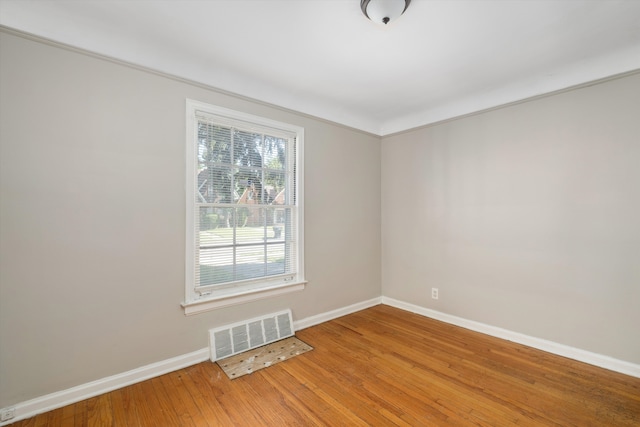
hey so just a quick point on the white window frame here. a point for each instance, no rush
(196, 300)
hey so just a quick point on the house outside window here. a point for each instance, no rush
(244, 207)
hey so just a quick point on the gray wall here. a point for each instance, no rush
(525, 218)
(92, 219)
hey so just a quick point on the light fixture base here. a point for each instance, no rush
(383, 11)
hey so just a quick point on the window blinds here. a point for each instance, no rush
(245, 205)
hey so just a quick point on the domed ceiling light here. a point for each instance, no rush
(383, 11)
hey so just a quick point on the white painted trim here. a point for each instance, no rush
(334, 314)
(580, 355)
(216, 302)
(62, 398)
(242, 291)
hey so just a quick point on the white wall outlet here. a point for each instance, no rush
(434, 293)
(7, 413)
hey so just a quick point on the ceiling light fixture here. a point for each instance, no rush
(383, 11)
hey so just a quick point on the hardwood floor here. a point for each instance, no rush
(378, 367)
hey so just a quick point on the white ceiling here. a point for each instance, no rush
(441, 59)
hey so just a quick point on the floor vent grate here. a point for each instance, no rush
(232, 339)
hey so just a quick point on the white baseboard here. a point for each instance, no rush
(595, 359)
(334, 314)
(62, 398)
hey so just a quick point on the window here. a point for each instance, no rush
(244, 207)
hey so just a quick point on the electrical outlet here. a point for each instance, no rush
(7, 413)
(434, 293)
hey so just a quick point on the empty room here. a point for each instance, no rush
(319, 213)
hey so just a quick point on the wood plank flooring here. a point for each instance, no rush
(378, 367)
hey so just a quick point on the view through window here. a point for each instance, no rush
(245, 227)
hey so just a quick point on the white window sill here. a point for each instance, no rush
(219, 300)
